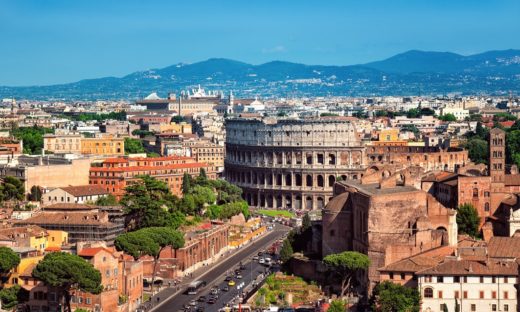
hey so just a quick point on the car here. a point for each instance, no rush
(202, 299)
(238, 276)
(193, 303)
(255, 258)
(261, 261)
(214, 291)
(259, 253)
(228, 278)
(231, 283)
(212, 300)
(242, 267)
(225, 288)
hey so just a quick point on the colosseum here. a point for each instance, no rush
(294, 163)
(291, 163)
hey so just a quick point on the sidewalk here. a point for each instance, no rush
(166, 292)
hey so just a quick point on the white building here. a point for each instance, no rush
(459, 112)
(476, 286)
(74, 194)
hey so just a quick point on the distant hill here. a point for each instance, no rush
(409, 73)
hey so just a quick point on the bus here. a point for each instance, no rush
(194, 287)
(237, 308)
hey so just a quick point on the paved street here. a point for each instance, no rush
(215, 275)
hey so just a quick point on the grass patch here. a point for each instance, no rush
(276, 213)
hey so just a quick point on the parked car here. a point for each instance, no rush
(225, 288)
(261, 261)
(231, 283)
(238, 276)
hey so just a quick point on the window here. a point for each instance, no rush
(493, 307)
(88, 301)
(440, 279)
(494, 294)
(456, 279)
(506, 295)
(402, 276)
(475, 193)
(465, 294)
(428, 278)
(481, 279)
(473, 307)
(505, 280)
(456, 294)
(440, 294)
(481, 294)
(486, 207)
(494, 279)
(428, 293)
(506, 307)
(391, 275)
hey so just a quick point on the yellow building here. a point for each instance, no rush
(56, 239)
(67, 143)
(240, 234)
(389, 135)
(29, 258)
(103, 146)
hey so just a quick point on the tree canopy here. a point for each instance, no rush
(286, 252)
(149, 241)
(12, 296)
(8, 259)
(468, 220)
(12, 189)
(108, 200)
(32, 138)
(448, 117)
(346, 264)
(67, 271)
(477, 150)
(148, 202)
(390, 297)
(337, 306)
(133, 146)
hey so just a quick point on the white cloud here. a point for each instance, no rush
(276, 49)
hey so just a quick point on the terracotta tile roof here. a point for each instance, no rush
(76, 218)
(53, 249)
(468, 267)
(91, 252)
(85, 190)
(30, 230)
(5, 238)
(420, 261)
(337, 202)
(504, 247)
(69, 206)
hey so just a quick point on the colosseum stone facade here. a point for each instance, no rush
(289, 163)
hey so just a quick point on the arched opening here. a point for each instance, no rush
(320, 181)
(486, 207)
(308, 203)
(262, 200)
(298, 178)
(298, 202)
(309, 180)
(321, 202)
(332, 179)
(343, 177)
(475, 193)
(278, 179)
(288, 180)
(279, 203)
(355, 177)
(255, 181)
(248, 199)
(288, 201)
(332, 159)
(386, 174)
(269, 180)
(270, 201)
(401, 180)
(428, 292)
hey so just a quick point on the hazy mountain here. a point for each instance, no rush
(412, 72)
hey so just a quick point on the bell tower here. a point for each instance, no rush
(497, 155)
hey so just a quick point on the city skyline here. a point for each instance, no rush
(60, 42)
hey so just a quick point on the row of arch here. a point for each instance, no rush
(287, 179)
(285, 201)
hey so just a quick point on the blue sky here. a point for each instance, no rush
(48, 42)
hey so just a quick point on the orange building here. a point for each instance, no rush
(107, 263)
(116, 173)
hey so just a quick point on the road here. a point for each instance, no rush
(215, 275)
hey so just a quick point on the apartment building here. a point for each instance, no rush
(116, 173)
